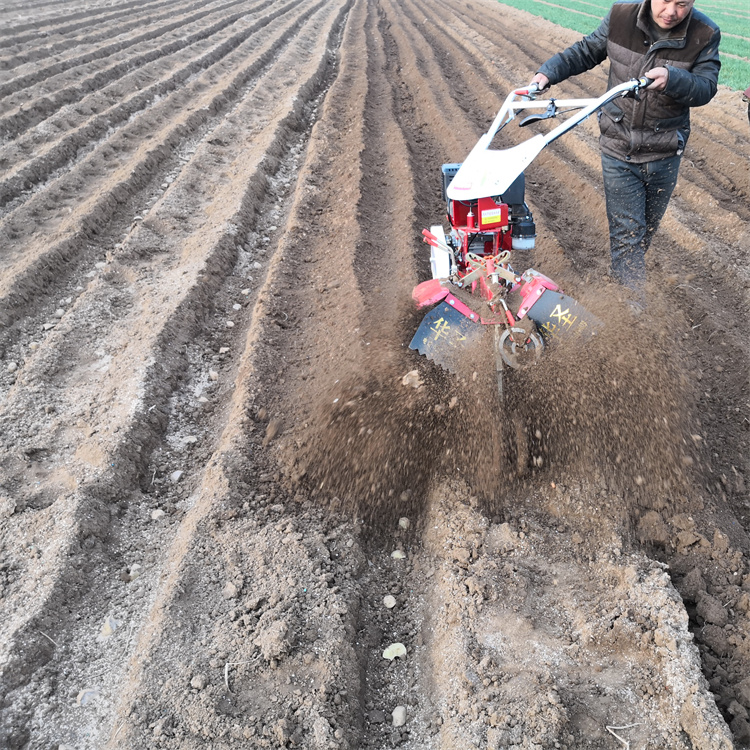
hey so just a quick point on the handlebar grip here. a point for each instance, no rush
(645, 82)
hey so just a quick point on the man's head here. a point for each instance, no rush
(667, 14)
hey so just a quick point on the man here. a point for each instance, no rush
(642, 139)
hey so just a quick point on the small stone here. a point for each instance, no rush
(109, 627)
(230, 324)
(404, 523)
(398, 554)
(134, 571)
(376, 717)
(48, 326)
(236, 306)
(223, 350)
(412, 379)
(86, 696)
(199, 682)
(257, 266)
(12, 366)
(213, 375)
(7, 507)
(175, 476)
(399, 716)
(59, 312)
(157, 514)
(389, 601)
(229, 591)
(395, 650)
(246, 291)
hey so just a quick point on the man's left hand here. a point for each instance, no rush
(660, 76)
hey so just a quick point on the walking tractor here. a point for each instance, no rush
(473, 283)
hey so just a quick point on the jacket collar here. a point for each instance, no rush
(677, 34)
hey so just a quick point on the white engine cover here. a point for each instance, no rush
(440, 260)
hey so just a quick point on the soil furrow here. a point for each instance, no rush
(188, 312)
(123, 175)
(90, 18)
(109, 118)
(14, 123)
(189, 563)
(520, 659)
(37, 53)
(214, 438)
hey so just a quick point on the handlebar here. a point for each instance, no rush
(487, 172)
(534, 88)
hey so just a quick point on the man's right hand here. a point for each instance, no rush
(541, 80)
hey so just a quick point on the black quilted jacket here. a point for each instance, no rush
(657, 125)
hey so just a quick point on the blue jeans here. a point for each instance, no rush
(637, 196)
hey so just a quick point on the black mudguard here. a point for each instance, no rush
(559, 317)
(445, 336)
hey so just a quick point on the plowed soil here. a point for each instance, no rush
(210, 225)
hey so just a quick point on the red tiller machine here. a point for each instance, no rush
(474, 285)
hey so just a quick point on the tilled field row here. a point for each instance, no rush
(570, 217)
(65, 136)
(224, 512)
(145, 304)
(36, 102)
(447, 712)
(132, 160)
(60, 23)
(30, 52)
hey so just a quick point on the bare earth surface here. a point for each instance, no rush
(210, 218)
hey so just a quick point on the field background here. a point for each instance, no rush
(228, 486)
(733, 18)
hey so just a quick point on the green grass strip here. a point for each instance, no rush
(735, 47)
(582, 16)
(740, 8)
(584, 24)
(734, 73)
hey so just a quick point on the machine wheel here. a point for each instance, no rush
(517, 355)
